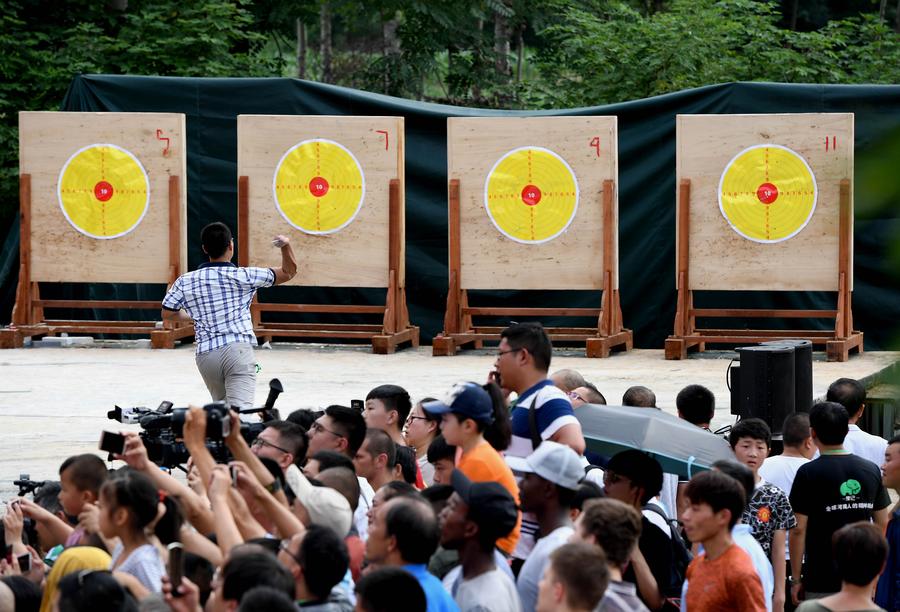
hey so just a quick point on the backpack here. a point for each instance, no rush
(681, 555)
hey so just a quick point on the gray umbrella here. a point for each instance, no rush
(680, 447)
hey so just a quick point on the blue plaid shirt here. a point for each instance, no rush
(217, 296)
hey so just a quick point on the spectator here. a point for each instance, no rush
(567, 380)
(406, 468)
(477, 515)
(639, 397)
(575, 579)
(395, 488)
(324, 460)
(376, 458)
(888, 594)
(541, 411)
(552, 474)
(421, 429)
(443, 457)
(243, 572)
(851, 394)
(344, 481)
(633, 477)
(93, 591)
(697, 405)
(304, 417)
(18, 594)
(781, 469)
(268, 599)
(377, 592)
(283, 442)
(405, 533)
(722, 577)
(443, 560)
(319, 505)
(859, 554)
(836, 489)
(466, 412)
(586, 491)
(72, 560)
(586, 394)
(768, 511)
(615, 527)
(343, 429)
(387, 407)
(318, 560)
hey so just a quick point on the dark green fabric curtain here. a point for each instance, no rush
(646, 191)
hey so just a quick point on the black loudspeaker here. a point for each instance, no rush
(763, 385)
(803, 393)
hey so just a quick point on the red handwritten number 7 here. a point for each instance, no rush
(595, 142)
(385, 137)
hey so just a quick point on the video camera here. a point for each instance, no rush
(28, 486)
(164, 427)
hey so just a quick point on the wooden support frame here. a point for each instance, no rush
(459, 329)
(686, 335)
(28, 319)
(385, 337)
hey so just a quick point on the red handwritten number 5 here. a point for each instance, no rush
(595, 142)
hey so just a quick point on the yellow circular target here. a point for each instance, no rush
(767, 193)
(531, 195)
(319, 186)
(103, 191)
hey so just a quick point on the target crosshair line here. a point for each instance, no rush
(767, 193)
(531, 195)
(319, 186)
(103, 191)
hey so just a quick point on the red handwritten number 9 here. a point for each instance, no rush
(595, 142)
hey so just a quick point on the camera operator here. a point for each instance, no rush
(216, 297)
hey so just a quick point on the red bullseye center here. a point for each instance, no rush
(531, 195)
(103, 191)
(318, 186)
(767, 193)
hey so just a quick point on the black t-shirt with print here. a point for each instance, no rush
(833, 491)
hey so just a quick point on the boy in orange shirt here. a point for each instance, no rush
(466, 412)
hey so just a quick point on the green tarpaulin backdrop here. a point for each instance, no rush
(646, 190)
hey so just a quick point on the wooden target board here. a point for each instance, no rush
(323, 181)
(100, 195)
(531, 212)
(765, 199)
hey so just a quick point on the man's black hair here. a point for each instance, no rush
(641, 469)
(720, 492)
(412, 522)
(304, 417)
(754, 428)
(696, 403)
(95, 591)
(246, 570)
(324, 559)
(531, 337)
(271, 545)
(377, 591)
(639, 396)
(859, 551)
(585, 491)
(200, 571)
(350, 424)
(268, 599)
(398, 488)
(439, 449)
(499, 432)
(406, 459)
(26, 594)
(394, 398)
(849, 393)
(87, 472)
(380, 443)
(740, 472)
(437, 493)
(215, 239)
(830, 421)
(293, 439)
(795, 430)
(331, 459)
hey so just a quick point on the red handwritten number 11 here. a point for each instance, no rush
(595, 142)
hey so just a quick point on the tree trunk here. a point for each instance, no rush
(897, 18)
(301, 49)
(501, 45)
(882, 10)
(794, 10)
(520, 52)
(390, 45)
(325, 41)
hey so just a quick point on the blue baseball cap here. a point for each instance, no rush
(466, 399)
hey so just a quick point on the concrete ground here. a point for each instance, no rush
(53, 401)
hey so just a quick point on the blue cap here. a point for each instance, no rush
(466, 399)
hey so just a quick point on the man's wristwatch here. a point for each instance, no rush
(273, 486)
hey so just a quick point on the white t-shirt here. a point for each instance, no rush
(533, 569)
(781, 470)
(865, 445)
(144, 563)
(492, 591)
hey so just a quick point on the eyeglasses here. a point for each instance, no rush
(319, 428)
(573, 395)
(284, 546)
(261, 442)
(612, 478)
(502, 353)
(413, 418)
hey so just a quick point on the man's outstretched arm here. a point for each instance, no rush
(288, 268)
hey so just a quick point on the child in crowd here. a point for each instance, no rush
(128, 504)
(442, 457)
(768, 512)
(467, 411)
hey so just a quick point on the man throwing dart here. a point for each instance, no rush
(216, 297)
